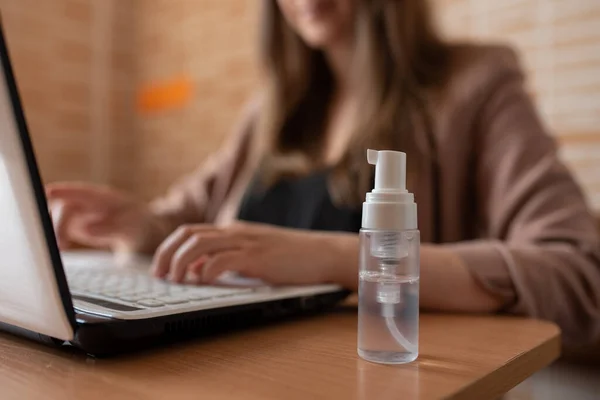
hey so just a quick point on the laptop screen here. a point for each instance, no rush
(33, 289)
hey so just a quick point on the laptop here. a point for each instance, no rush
(91, 301)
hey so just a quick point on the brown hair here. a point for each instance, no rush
(399, 59)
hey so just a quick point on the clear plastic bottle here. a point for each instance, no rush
(388, 313)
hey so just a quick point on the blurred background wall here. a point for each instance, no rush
(73, 63)
(80, 64)
(559, 45)
(210, 42)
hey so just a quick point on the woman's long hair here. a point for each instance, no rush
(399, 60)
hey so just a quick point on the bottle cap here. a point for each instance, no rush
(389, 206)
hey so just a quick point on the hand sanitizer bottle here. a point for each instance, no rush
(388, 310)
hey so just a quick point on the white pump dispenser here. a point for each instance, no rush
(389, 205)
(389, 265)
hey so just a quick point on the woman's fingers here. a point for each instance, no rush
(196, 246)
(78, 193)
(216, 265)
(92, 215)
(165, 252)
(62, 215)
(71, 201)
(195, 270)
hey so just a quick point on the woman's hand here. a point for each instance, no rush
(276, 255)
(100, 217)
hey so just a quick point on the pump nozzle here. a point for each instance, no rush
(389, 205)
(390, 170)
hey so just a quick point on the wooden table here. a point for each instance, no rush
(463, 357)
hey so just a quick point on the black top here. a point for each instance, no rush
(302, 203)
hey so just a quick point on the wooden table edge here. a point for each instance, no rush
(514, 371)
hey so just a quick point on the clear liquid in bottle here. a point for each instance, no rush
(388, 312)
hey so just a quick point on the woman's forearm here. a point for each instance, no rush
(446, 284)
(344, 250)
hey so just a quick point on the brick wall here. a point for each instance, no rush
(66, 54)
(120, 133)
(559, 44)
(80, 63)
(211, 42)
(51, 48)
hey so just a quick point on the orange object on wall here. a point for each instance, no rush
(163, 96)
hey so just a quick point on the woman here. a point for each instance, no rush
(504, 226)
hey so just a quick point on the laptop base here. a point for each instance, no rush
(105, 337)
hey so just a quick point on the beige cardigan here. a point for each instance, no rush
(509, 208)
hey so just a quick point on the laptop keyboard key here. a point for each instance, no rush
(198, 296)
(172, 299)
(131, 299)
(150, 303)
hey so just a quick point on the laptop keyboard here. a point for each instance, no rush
(140, 290)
